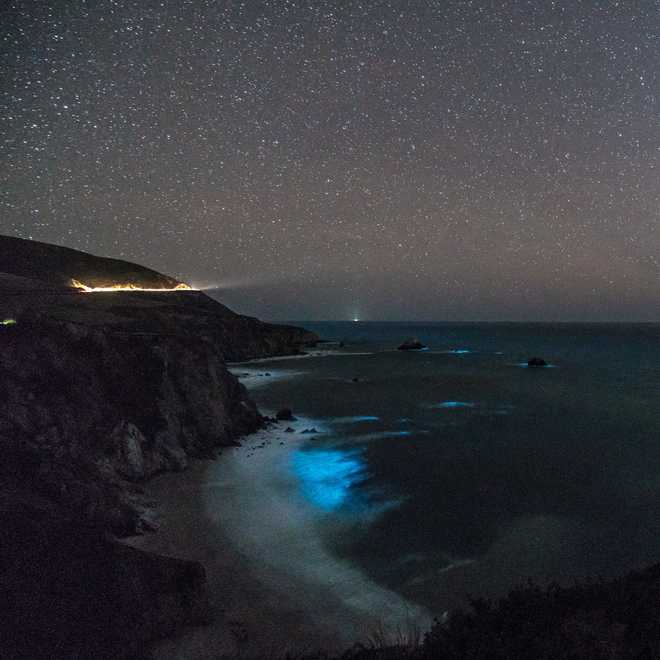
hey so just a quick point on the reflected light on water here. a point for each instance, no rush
(355, 419)
(454, 404)
(327, 476)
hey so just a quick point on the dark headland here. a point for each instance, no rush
(100, 392)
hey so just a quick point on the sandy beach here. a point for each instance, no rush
(273, 585)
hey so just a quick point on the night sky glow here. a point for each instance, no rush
(385, 159)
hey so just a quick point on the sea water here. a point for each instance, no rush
(459, 471)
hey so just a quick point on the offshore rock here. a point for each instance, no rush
(536, 362)
(285, 415)
(411, 345)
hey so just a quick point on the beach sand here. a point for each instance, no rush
(274, 587)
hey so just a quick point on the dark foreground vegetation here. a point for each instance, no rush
(594, 619)
(591, 620)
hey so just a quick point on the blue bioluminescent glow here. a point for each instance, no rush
(355, 419)
(460, 351)
(327, 476)
(455, 404)
(379, 435)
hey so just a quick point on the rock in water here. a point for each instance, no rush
(536, 362)
(285, 415)
(412, 345)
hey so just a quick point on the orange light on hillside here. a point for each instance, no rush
(126, 287)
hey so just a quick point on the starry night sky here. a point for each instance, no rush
(388, 160)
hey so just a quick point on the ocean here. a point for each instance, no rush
(458, 471)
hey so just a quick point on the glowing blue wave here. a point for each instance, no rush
(328, 475)
(454, 404)
(355, 419)
(379, 435)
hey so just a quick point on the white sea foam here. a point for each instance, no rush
(453, 405)
(354, 419)
(305, 356)
(452, 565)
(253, 378)
(379, 435)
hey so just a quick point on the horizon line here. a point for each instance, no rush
(564, 321)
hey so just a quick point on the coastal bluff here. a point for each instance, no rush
(99, 392)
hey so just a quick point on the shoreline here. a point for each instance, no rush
(242, 516)
(250, 614)
(306, 355)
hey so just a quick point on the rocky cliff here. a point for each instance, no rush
(98, 392)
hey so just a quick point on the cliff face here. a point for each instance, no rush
(98, 393)
(88, 411)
